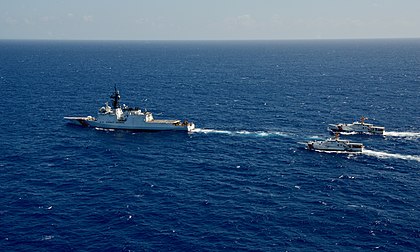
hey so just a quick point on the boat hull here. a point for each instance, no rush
(124, 125)
(356, 129)
(335, 146)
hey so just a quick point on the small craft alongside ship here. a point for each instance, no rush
(127, 118)
(357, 128)
(335, 145)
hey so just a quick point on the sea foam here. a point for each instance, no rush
(241, 132)
(409, 135)
(385, 155)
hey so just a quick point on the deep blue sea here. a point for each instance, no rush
(242, 181)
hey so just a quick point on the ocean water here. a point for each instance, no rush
(243, 180)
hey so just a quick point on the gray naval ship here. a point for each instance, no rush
(335, 145)
(127, 118)
(357, 128)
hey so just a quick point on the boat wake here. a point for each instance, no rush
(377, 154)
(241, 132)
(410, 135)
(385, 155)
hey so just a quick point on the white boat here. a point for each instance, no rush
(335, 145)
(357, 128)
(127, 118)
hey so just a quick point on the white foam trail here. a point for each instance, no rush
(206, 131)
(240, 132)
(380, 154)
(413, 135)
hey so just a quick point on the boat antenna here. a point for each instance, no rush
(115, 98)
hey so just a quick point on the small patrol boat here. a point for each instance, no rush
(127, 118)
(335, 145)
(357, 128)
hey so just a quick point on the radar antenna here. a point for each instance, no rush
(115, 98)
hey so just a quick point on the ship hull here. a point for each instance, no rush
(335, 146)
(357, 150)
(144, 127)
(129, 125)
(356, 129)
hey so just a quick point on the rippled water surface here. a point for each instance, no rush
(243, 180)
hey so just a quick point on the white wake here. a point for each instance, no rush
(412, 135)
(380, 154)
(240, 132)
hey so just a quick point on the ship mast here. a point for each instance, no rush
(115, 98)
